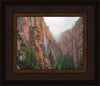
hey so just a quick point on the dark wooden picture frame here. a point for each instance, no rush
(84, 15)
(89, 77)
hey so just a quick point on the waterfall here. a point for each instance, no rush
(45, 45)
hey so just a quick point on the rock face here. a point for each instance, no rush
(71, 41)
(33, 32)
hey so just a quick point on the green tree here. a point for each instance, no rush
(66, 62)
(51, 58)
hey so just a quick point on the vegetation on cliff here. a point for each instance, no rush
(30, 61)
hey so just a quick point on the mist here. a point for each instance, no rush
(57, 25)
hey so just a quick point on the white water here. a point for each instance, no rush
(45, 45)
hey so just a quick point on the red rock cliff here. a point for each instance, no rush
(71, 41)
(31, 30)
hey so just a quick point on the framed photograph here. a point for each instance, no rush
(49, 43)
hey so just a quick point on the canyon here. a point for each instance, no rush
(36, 45)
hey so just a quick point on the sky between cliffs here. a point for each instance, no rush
(57, 25)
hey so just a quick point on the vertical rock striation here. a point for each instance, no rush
(71, 41)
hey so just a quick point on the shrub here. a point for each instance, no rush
(34, 27)
(59, 67)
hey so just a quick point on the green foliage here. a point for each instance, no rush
(58, 66)
(45, 67)
(53, 67)
(30, 61)
(37, 36)
(38, 31)
(65, 62)
(17, 24)
(38, 66)
(52, 62)
(34, 27)
(80, 66)
(51, 58)
(49, 41)
(44, 54)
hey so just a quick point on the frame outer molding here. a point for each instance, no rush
(6, 79)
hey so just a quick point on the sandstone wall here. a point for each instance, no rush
(31, 30)
(71, 41)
